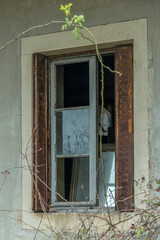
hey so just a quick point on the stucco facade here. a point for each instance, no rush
(17, 16)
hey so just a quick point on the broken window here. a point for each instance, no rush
(76, 130)
(73, 130)
(67, 110)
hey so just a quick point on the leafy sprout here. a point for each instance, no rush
(76, 21)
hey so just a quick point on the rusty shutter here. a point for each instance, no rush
(41, 138)
(124, 129)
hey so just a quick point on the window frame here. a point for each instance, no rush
(124, 160)
(124, 200)
(93, 129)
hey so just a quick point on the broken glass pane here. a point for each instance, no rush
(72, 132)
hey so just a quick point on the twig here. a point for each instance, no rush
(28, 30)
(37, 230)
(34, 228)
(5, 174)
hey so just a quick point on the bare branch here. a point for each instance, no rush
(28, 30)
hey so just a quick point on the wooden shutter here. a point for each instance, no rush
(41, 130)
(124, 129)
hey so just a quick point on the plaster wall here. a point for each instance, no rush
(17, 16)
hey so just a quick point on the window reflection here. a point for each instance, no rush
(109, 175)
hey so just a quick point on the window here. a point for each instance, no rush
(73, 135)
(67, 103)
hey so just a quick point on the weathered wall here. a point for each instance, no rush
(15, 17)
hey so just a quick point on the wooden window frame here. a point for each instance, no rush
(124, 177)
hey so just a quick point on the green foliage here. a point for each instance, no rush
(139, 231)
(66, 8)
(82, 233)
(76, 21)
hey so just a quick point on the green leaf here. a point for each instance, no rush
(75, 32)
(67, 12)
(138, 232)
(76, 35)
(62, 7)
(82, 18)
(63, 28)
(158, 181)
(142, 228)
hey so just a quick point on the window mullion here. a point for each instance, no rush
(93, 128)
(53, 128)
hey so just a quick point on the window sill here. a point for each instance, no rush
(81, 210)
(69, 221)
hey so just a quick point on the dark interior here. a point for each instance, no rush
(68, 174)
(76, 84)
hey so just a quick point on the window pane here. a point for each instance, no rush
(72, 132)
(109, 175)
(72, 85)
(73, 179)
